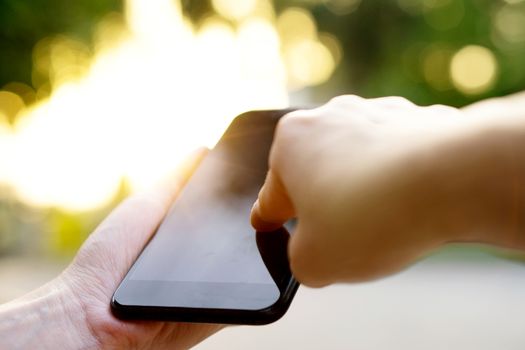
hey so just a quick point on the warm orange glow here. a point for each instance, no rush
(153, 91)
(308, 59)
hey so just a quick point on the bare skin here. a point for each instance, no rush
(72, 311)
(377, 184)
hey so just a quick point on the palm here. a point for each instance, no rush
(102, 263)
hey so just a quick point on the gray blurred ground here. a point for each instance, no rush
(457, 299)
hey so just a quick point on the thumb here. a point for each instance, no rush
(273, 206)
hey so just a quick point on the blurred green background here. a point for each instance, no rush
(430, 51)
(401, 47)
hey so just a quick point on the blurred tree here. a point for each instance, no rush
(402, 47)
(405, 47)
(430, 51)
(24, 23)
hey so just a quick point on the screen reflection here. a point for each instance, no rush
(206, 236)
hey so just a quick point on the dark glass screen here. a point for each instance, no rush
(206, 246)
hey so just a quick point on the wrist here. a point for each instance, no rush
(478, 183)
(48, 318)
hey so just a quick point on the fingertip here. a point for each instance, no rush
(254, 216)
(258, 223)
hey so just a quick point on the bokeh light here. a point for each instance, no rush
(10, 104)
(296, 24)
(435, 65)
(234, 9)
(509, 21)
(309, 61)
(154, 88)
(473, 69)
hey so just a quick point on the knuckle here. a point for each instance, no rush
(294, 119)
(292, 125)
(284, 124)
(399, 100)
(439, 108)
(345, 100)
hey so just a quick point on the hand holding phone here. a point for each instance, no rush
(205, 262)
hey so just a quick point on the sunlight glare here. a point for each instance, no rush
(150, 93)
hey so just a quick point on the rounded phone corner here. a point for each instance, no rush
(278, 309)
(114, 302)
(117, 309)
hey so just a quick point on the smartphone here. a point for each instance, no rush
(205, 262)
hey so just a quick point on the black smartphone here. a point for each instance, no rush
(206, 263)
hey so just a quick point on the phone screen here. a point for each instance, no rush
(205, 254)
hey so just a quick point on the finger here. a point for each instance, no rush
(273, 206)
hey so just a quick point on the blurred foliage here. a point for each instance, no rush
(24, 23)
(48, 231)
(67, 230)
(401, 47)
(405, 47)
(395, 47)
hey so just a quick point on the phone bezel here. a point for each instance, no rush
(208, 315)
(146, 311)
